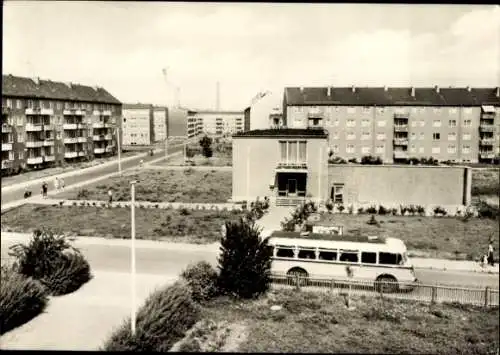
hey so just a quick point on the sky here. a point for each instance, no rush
(248, 48)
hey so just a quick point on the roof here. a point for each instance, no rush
(137, 106)
(17, 86)
(284, 132)
(215, 112)
(332, 237)
(396, 96)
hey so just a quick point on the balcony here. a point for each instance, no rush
(98, 137)
(70, 140)
(106, 113)
(487, 155)
(6, 147)
(34, 127)
(81, 139)
(98, 125)
(108, 137)
(109, 148)
(69, 126)
(400, 141)
(401, 128)
(400, 154)
(73, 112)
(34, 144)
(48, 127)
(292, 165)
(34, 160)
(49, 158)
(402, 115)
(82, 153)
(99, 150)
(48, 142)
(485, 127)
(487, 141)
(6, 128)
(70, 154)
(488, 115)
(6, 164)
(39, 111)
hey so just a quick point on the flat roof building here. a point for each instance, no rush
(138, 125)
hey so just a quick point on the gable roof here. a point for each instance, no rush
(397, 96)
(18, 86)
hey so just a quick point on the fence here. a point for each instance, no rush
(486, 296)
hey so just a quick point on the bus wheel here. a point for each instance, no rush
(386, 284)
(292, 275)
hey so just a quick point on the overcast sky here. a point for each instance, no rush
(123, 47)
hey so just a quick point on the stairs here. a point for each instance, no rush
(289, 201)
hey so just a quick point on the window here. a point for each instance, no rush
(413, 136)
(468, 110)
(380, 149)
(284, 252)
(20, 120)
(452, 149)
(381, 123)
(336, 123)
(467, 136)
(307, 254)
(58, 135)
(437, 110)
(337, 194)
(421, 149)
(421, 136)
(20, 137)
(452, 110)
(350, 148)
(467, 123)
(452, 123)
(436, 136)
(9, 103)
(436, 150)
(351, 123)
(436, 123)
(351, 136)
(380, 136)
(413, 149)
(390, 259)
(51, 104)
(452, 136)
(368, 258)
(335, 135)
(365, 150)
(365, 136)
(350, 256)
(19, 104)
(293, 151)
(413, 110)
(21, 154)
(302, 152)
(366, 109)
(329, 255)
(365, 123)
(351, 110)
(466, 149)
(422, 123)
(414, 123)
(380, 110)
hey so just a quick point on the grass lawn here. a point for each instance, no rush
(322, 323)
(175, 225)
(38, 174)
(436, 237)
(486, 182)
(161, 186)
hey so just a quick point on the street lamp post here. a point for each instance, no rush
(119, 150)
(132, 249)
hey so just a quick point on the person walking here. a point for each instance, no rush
(110, 196)
(45, 188)
(491, 260)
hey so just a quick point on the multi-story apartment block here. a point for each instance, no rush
(177, 122)
(138, 124)
(217, 123)
(266, 111)
(160, 124)
(448, 124)
(46, 122)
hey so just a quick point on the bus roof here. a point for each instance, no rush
(353, 238)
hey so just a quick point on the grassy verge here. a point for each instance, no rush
(161, 186)
(173, 225)
(38, 174)
(486, 182)
(322, 323)
(436, 237)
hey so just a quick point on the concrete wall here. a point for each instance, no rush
(393, 185)
(255, 161)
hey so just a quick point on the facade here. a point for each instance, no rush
(138, 124)
(45, 123)
(448, 124)
(177, 122)
(290, 165)
(246, 119)
(160, 124)
(266, 111)
(217, 123)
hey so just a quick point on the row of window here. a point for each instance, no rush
(368, 109)
(21, 135)
(413, 136)
(383, 123)
(351, 148)
(293, 151)
(54, 120)
(350, 256)
(52, 104)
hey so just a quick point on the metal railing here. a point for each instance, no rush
(485, 296)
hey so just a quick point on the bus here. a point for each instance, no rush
(383, 261)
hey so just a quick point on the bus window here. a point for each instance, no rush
(328, 255)
(390, 259)
(349, 256)
(368, 258)
(307, 254)
(284, 252)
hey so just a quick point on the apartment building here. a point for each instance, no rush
(177, 122)
(266, 111)
(449, 124)
(289, 165)
(217, 123)
(45, 122)
(160, 123)
(138, 124)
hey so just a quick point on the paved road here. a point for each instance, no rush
(16, 194)
(172, 260)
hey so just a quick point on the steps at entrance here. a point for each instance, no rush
(289, 201)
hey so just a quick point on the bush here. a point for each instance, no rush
(329, 205)
(245, 261)
(336, 160)
(83, 194)
(21, 299)
(439, 211)
(202, 279)
(361, 210)
(371, 160)
(51, 260)
(382, 210)
(485, 210)
(184, 212)
(421, 210)
(372, 221)
(341, 208)
(353, 160)
(163, 320)
(371, 210)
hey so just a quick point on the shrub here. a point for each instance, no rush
(382, 210)
(163, 320)
(83, 194)
(244, 262)
(206, 145)
(74, 203)
(329, 205)
(21, 299)
(394, 211)
(485, 210)
(51, 260)
(421, 210)
(202, 279)
(372, 221)
(185, 212)
(340, 208)
(371, 160)
(353, 160)
(361, 210)
(336, 160)
(371, 210)
(350, 209)
(438, 210)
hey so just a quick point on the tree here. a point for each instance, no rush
(206, 146)
(244, 262)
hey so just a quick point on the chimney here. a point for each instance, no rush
(329, 91)
(353, 88)
(437, 88)
(412, 91)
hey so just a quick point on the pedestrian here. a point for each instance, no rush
(45, 188)
(27, 193)
(61, 181)
(110, 196)
(57, 184)
(491, 260)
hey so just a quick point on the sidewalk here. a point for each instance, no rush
(195, 167)
(419, 263)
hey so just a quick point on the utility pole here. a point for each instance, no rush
(132, 250)
(119, 150)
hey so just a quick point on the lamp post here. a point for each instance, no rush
(119, 150)
(132, 250)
